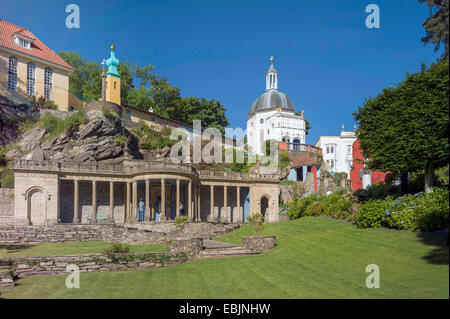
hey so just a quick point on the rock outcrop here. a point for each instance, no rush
(10, 118)
(101, 138)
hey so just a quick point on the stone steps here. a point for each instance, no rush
(216, 249)
(225, 252)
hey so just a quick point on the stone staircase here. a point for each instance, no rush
(217, 249)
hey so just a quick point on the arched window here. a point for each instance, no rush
(12, 74)
(31, 78)
(48, 83)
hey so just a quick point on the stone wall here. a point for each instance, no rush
(259, 243)
(190, 246)
(50, 265)
(139, 233)
(6, 205)
(51, 233)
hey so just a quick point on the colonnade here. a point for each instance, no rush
(192, 208)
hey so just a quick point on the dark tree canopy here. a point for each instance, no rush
(143, 88)
(436, 26)
(405, 128)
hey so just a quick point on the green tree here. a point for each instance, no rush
(436, 25)
(405, 128)
(86, 80)
(143, 88)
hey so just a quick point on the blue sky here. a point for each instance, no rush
(328, 61)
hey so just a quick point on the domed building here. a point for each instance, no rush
(272, 116)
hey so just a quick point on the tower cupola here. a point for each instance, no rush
(271, 77)
(112, 63)
(112, 83)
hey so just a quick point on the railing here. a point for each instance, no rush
(288, 146)
(104, 168)
(236, 175)
(135, 167)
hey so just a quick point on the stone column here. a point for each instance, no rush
(177, 207)
(189, 207)
(94, 203)
(147, 200)
(75, 202)
(211, 208)
(225, 204)
(127, 204)
(111, 201)
(238, 203)
(199, 216)
(163, 200)
(134, 205)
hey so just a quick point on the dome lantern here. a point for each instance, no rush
(271, 77)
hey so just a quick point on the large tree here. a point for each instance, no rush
(143, 88)
(405, 128)
(436, 25)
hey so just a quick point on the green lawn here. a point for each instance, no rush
(315, 258)
(68, 248)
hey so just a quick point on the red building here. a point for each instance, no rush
(357, 173)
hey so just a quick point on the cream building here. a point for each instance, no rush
(28, 68)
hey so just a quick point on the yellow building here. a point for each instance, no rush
(28, 68)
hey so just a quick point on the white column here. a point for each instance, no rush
(190, 205)
(111, 201)
(94, 203)
(75, 202)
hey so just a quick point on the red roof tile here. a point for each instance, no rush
(303, 159)
(38, 49)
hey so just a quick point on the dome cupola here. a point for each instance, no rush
(272, 99)
(113, 63)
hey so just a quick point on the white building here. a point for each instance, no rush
(272, 117)
(337, 151)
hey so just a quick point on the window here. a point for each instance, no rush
(328, 149)
(12, 74)
(349, 149)
(331, 149)
(23, 43)
(332, 164)
(31, 78)
(261, 137)
(48, 83)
